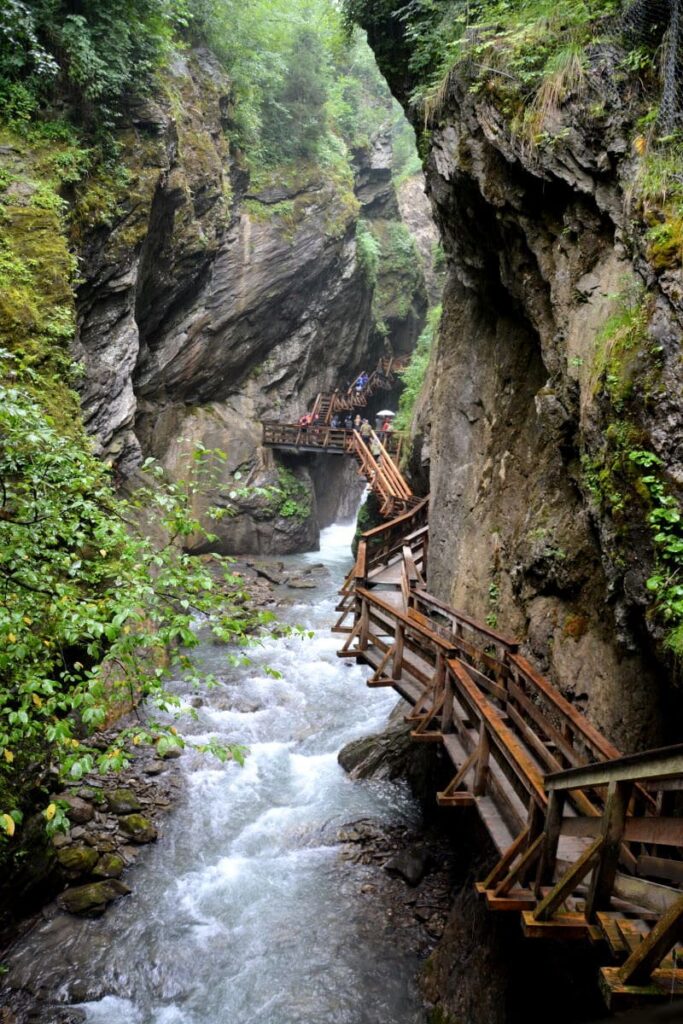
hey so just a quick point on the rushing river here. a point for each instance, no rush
(244, 912)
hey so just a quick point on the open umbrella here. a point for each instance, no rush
(386, 412)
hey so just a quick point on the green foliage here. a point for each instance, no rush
(400, 274)
(95, 54)
(292, 498)
(618, 485)
(414, 374)
(368, 252)
(666, 523)
(93, 615)
(620, 344)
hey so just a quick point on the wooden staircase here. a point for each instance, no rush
(383, 377)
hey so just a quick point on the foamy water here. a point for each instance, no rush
(243, 913)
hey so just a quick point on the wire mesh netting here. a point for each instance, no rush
(659, 24)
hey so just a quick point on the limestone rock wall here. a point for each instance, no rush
(539, 518)
(209, 303)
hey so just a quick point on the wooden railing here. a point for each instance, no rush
(589, 842)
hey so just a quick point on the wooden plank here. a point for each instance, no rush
(570, 925)
(508, 642)
(660, 867)
(645, 893)
(561, 742)
(516, 899)
(662, 988)
(532, 740)
(373, 599)
(495, 823)
(661, 831)
(613, 937)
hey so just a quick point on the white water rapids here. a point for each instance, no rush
(243, 912)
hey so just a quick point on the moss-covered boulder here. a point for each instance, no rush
(138, 828)
(110, 865)
(77, 860)
(92, 900)
(123, 801)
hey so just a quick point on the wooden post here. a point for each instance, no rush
(481, 772)
(447, 713)
(398, 652)
(551, 830)
(364, 625)
(612, 831)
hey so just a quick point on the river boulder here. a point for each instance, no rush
(92, 900)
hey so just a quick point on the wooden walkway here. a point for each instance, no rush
(590, 843)
(357, 395)
(382, 473)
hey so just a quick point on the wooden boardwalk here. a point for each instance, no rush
(590, 843)
(381, 472)
(378, 459)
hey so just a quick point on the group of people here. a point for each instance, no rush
(339, 421)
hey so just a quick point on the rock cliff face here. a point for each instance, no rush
(212, 303)
(557, 367)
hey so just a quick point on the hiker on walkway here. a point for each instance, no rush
(365, 431)
(348, 422)
(357, 422)
(376, 450)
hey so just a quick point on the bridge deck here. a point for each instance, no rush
(587, 840)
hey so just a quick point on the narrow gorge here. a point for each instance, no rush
(341, 345)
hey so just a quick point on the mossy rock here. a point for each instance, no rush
(92, 900)
(123, 801)
(138, 828)
(78, 860)
(110, 865)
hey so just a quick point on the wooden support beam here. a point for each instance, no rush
(457, 779)
(567, 884)
(482, 769)
(501, 867)
(664, 763)
(552, 830)
(527, 860)
(611, 833)
(652, 950)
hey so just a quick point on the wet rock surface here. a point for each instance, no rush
(405, 874)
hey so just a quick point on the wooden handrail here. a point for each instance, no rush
(663, 763)
(429, 599)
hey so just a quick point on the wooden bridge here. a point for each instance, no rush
(590, 843)
(378, 458)
(377, 461)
